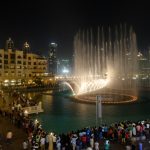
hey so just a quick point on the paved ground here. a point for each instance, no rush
(18, 135)
(5, 125)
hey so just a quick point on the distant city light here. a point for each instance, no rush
(139, 54)
(53, 44)
(134, 78)
(65, 70)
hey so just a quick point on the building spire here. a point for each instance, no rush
(26, 47)
(9, 44)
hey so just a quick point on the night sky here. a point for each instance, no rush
(42, 22)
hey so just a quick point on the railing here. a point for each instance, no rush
(33, 109)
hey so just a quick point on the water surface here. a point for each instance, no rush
(63, 115)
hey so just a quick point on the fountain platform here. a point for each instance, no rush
(107, 98)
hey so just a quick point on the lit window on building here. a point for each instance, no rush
(19, 57)
(5, 61)
(24, 56)
(12, 56)
(6, 67)
(12, 61)
(5, 56)
(18, 62)
(29, 63)
(18, 67)
(12, 67)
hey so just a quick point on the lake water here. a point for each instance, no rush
(63, 115)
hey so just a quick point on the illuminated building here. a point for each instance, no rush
(52, 59)
(17, 66)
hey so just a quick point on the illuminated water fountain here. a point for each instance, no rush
(105, 60)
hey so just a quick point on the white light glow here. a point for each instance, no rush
(65, 70)
(92, 85)
(26, 112)
(6, 81)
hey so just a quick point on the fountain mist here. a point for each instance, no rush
(101, 56)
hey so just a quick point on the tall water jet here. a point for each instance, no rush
(105, 58)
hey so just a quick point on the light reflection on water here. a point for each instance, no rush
(62, 115)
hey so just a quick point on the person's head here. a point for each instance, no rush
(107, 141)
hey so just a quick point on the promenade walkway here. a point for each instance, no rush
(18, 135)
(6, 125)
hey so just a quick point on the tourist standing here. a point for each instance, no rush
(42, 143)
(54, 140)
(46, 141)
(9, 137)
(73, 141)
(58, 146)
(25, 144)
(107, 145)
(123, 136)
(96, 144)
(50, 147)
(134, 130)
(89, 148)
(92, 142)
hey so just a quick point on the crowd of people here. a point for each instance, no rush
(90, 138)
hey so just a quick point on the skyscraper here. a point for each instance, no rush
(52, 59)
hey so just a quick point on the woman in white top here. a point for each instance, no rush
(92, 142)
(96, 145)
(9, 136)
(25, 145)
(58, 146)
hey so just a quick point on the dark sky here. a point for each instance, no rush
(40, 22)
